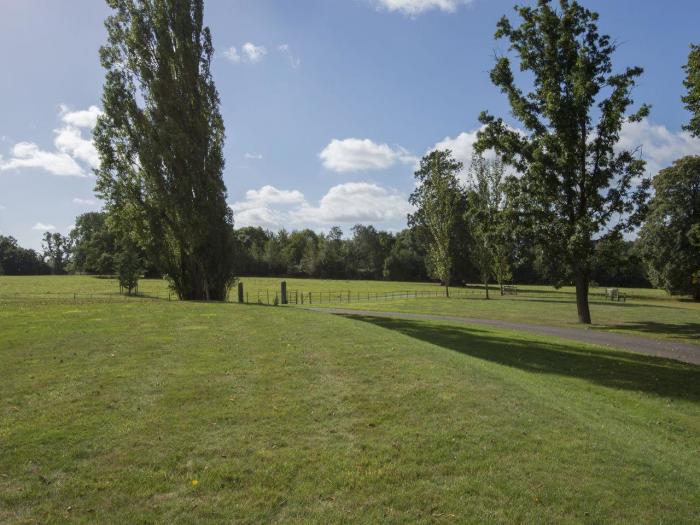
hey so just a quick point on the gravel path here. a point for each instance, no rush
(686, 353)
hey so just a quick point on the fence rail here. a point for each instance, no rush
(267, 296)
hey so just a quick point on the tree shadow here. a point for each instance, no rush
(682, 330)
(609, 368)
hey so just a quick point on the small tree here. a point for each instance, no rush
(439, 201)
(57, 249)
(576, 181)
(670, 237)
(129, 268)
(485, 218)
(692, 84)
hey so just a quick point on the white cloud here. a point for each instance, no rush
(80, 119)
(659, 146)
(40, 226)
(362, 155)
(69, 140)
(253, 156)
(267, 195)
(294, 61)
(29, 155)
(73, 154)
(417, 7)
(254, 53)
(85, 202)
(462, 146)
(249, 53)
(232, 54)
(356, 202)
(350, 203)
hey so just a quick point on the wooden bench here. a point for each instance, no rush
(614, 295)
(509, 290)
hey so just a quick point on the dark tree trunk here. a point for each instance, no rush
(584, 312)
(486, 285)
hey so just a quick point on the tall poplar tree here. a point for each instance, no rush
(576, 181)
(160, 142)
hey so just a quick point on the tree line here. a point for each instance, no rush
(365, 253)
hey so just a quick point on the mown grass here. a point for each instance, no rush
(110, 411)
(647, 312)
(673, 321)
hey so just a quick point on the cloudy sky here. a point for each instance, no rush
(327, 103)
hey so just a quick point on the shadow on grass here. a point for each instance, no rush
(681, 330)
(608, 368)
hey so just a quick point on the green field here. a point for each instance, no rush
(646, 312)
(144, 411)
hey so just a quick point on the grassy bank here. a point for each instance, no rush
(158, 411)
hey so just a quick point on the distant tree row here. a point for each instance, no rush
(367, 253)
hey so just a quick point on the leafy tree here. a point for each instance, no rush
(406, 261)
(57, 250)
(576, 181)
(670, 237)
(439, 201)
(274, 256)
(16, 260)
(94, 245)
(367, 251)
(129, 268)
(300, 252)
(485, 217)
(692, 84)
(617, 262)
(160, 142)
(330, 259)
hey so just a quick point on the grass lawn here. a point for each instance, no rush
(647, 312)
(111, 412)
(670, 320)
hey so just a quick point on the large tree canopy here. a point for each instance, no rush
(576, 182)
(670, 237)
(160, 142)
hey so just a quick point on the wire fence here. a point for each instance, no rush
(283, 296)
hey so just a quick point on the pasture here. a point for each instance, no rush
(647, 312)
(138, 410)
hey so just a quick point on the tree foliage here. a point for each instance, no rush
(439, 203)
(692, 85)
(670, 237)
(129, 268)
(160, 142)
(576, 182)
(486, 220)
(15, 260)
(57, 251)
(94, 245)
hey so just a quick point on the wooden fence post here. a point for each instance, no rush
(240, 292)
(284, 292)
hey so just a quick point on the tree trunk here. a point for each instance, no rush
(486, 285)
(584, 312)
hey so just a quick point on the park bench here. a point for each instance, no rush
(509, 290)
(614, 295)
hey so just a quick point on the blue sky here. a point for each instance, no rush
(327, 103)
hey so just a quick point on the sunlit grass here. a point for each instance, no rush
(162, 411)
